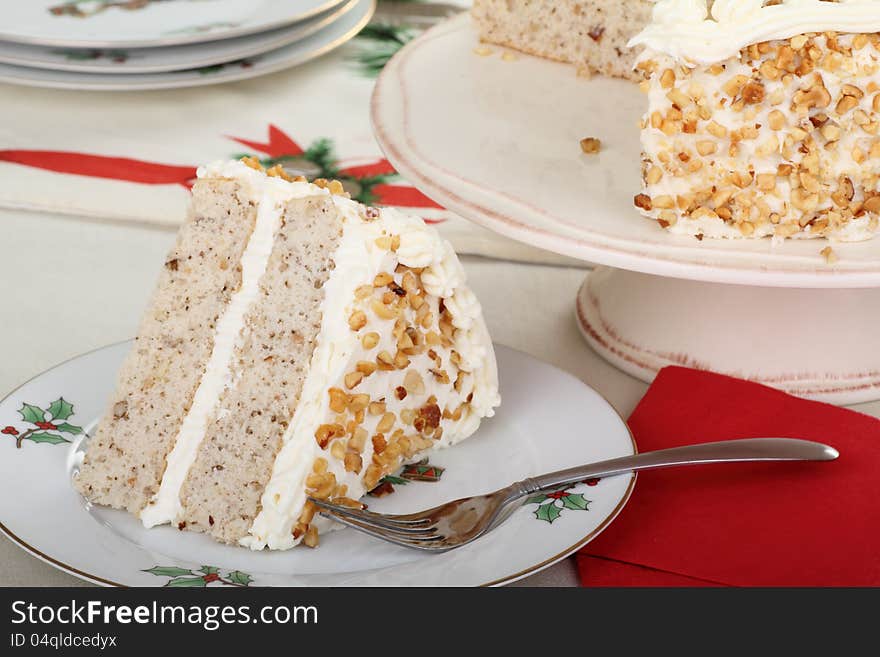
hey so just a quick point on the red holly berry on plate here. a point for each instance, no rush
(9, 431)
(45, 426)
(211, 577)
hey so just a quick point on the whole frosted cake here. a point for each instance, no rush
(591, 34)
(298, 344)
(763, 118)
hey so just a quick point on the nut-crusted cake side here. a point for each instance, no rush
(403, 365)
(782, 140)
(592, 34)
(422, 395)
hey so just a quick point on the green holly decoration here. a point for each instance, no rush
(201, 578)
(44, 430)
(551, 505)
(115, 56)
(378, 43)
(391, 479)
(240, 578)
(42, 437)
(168, 571)
(31, 413)
(60, 409)
(421, 471)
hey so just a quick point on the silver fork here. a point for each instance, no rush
(460, 522)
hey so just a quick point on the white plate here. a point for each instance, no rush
(111, 24)
(323, 41)
(497, 141)
(567, 425)
(171, 58)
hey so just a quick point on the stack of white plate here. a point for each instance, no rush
(161, 44)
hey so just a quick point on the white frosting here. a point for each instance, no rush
(688, 30)
(271, 194)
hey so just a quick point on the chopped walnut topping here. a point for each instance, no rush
(357, 321)
(326, 432)
(338, 400)
(643, 201)
(414, 383)
(353, 462)
(811, 111)
(352, 379)
(252, 162)
(591, 145)
(311, 538)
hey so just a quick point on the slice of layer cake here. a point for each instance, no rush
(591, 34)
(763, 118)
(298, 344)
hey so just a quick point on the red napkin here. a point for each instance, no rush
(758, 524)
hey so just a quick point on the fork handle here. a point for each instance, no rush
(725, 451)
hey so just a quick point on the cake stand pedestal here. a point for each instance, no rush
(495, 139)
(812, 343)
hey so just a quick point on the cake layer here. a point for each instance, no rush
(125, 461)
(221, 494)
(591, 34)
(781, 140)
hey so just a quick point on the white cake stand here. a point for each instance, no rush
(496, 139)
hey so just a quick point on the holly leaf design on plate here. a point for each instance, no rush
(168, 571)
(70, 428)
(576, 502)
(32, 414)
(209, 570)
(240, 578)
(548, 512)
(537, 499)
(60, 409)
(181, 582)
(43, 437)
